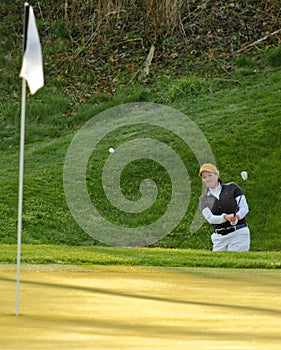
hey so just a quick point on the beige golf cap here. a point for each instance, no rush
(208, 167)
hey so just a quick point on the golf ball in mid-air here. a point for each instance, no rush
(111, 150)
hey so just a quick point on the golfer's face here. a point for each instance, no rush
(210, 179)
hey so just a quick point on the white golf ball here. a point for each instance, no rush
(111, 150)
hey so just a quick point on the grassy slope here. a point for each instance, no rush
(241, 121)
(243, 126)
(239, 114)
(50, 254)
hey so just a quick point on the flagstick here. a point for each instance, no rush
(21, 165)
(20, 199)
(32, 73)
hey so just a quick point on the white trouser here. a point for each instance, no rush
(236, 241)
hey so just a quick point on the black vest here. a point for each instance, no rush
(225, 204)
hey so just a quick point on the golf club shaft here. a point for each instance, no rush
(237, 206)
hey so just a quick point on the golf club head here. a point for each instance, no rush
(244, 175)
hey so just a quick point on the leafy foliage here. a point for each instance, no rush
(94, 46)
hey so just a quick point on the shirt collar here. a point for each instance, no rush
(215, 192)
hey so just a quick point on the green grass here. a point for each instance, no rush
(64, 254)
(240, 120)
(237, 109)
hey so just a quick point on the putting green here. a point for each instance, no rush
(99, 307)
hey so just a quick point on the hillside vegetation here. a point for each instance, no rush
(95, 46)
(96, 57)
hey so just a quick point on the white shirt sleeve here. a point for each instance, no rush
(211, 218)
(243, 207)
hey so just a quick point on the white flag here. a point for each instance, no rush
(32, 65)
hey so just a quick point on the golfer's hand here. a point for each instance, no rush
(231, 218)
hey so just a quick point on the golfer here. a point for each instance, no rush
(222, 207)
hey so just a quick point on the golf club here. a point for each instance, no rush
(244, 176)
